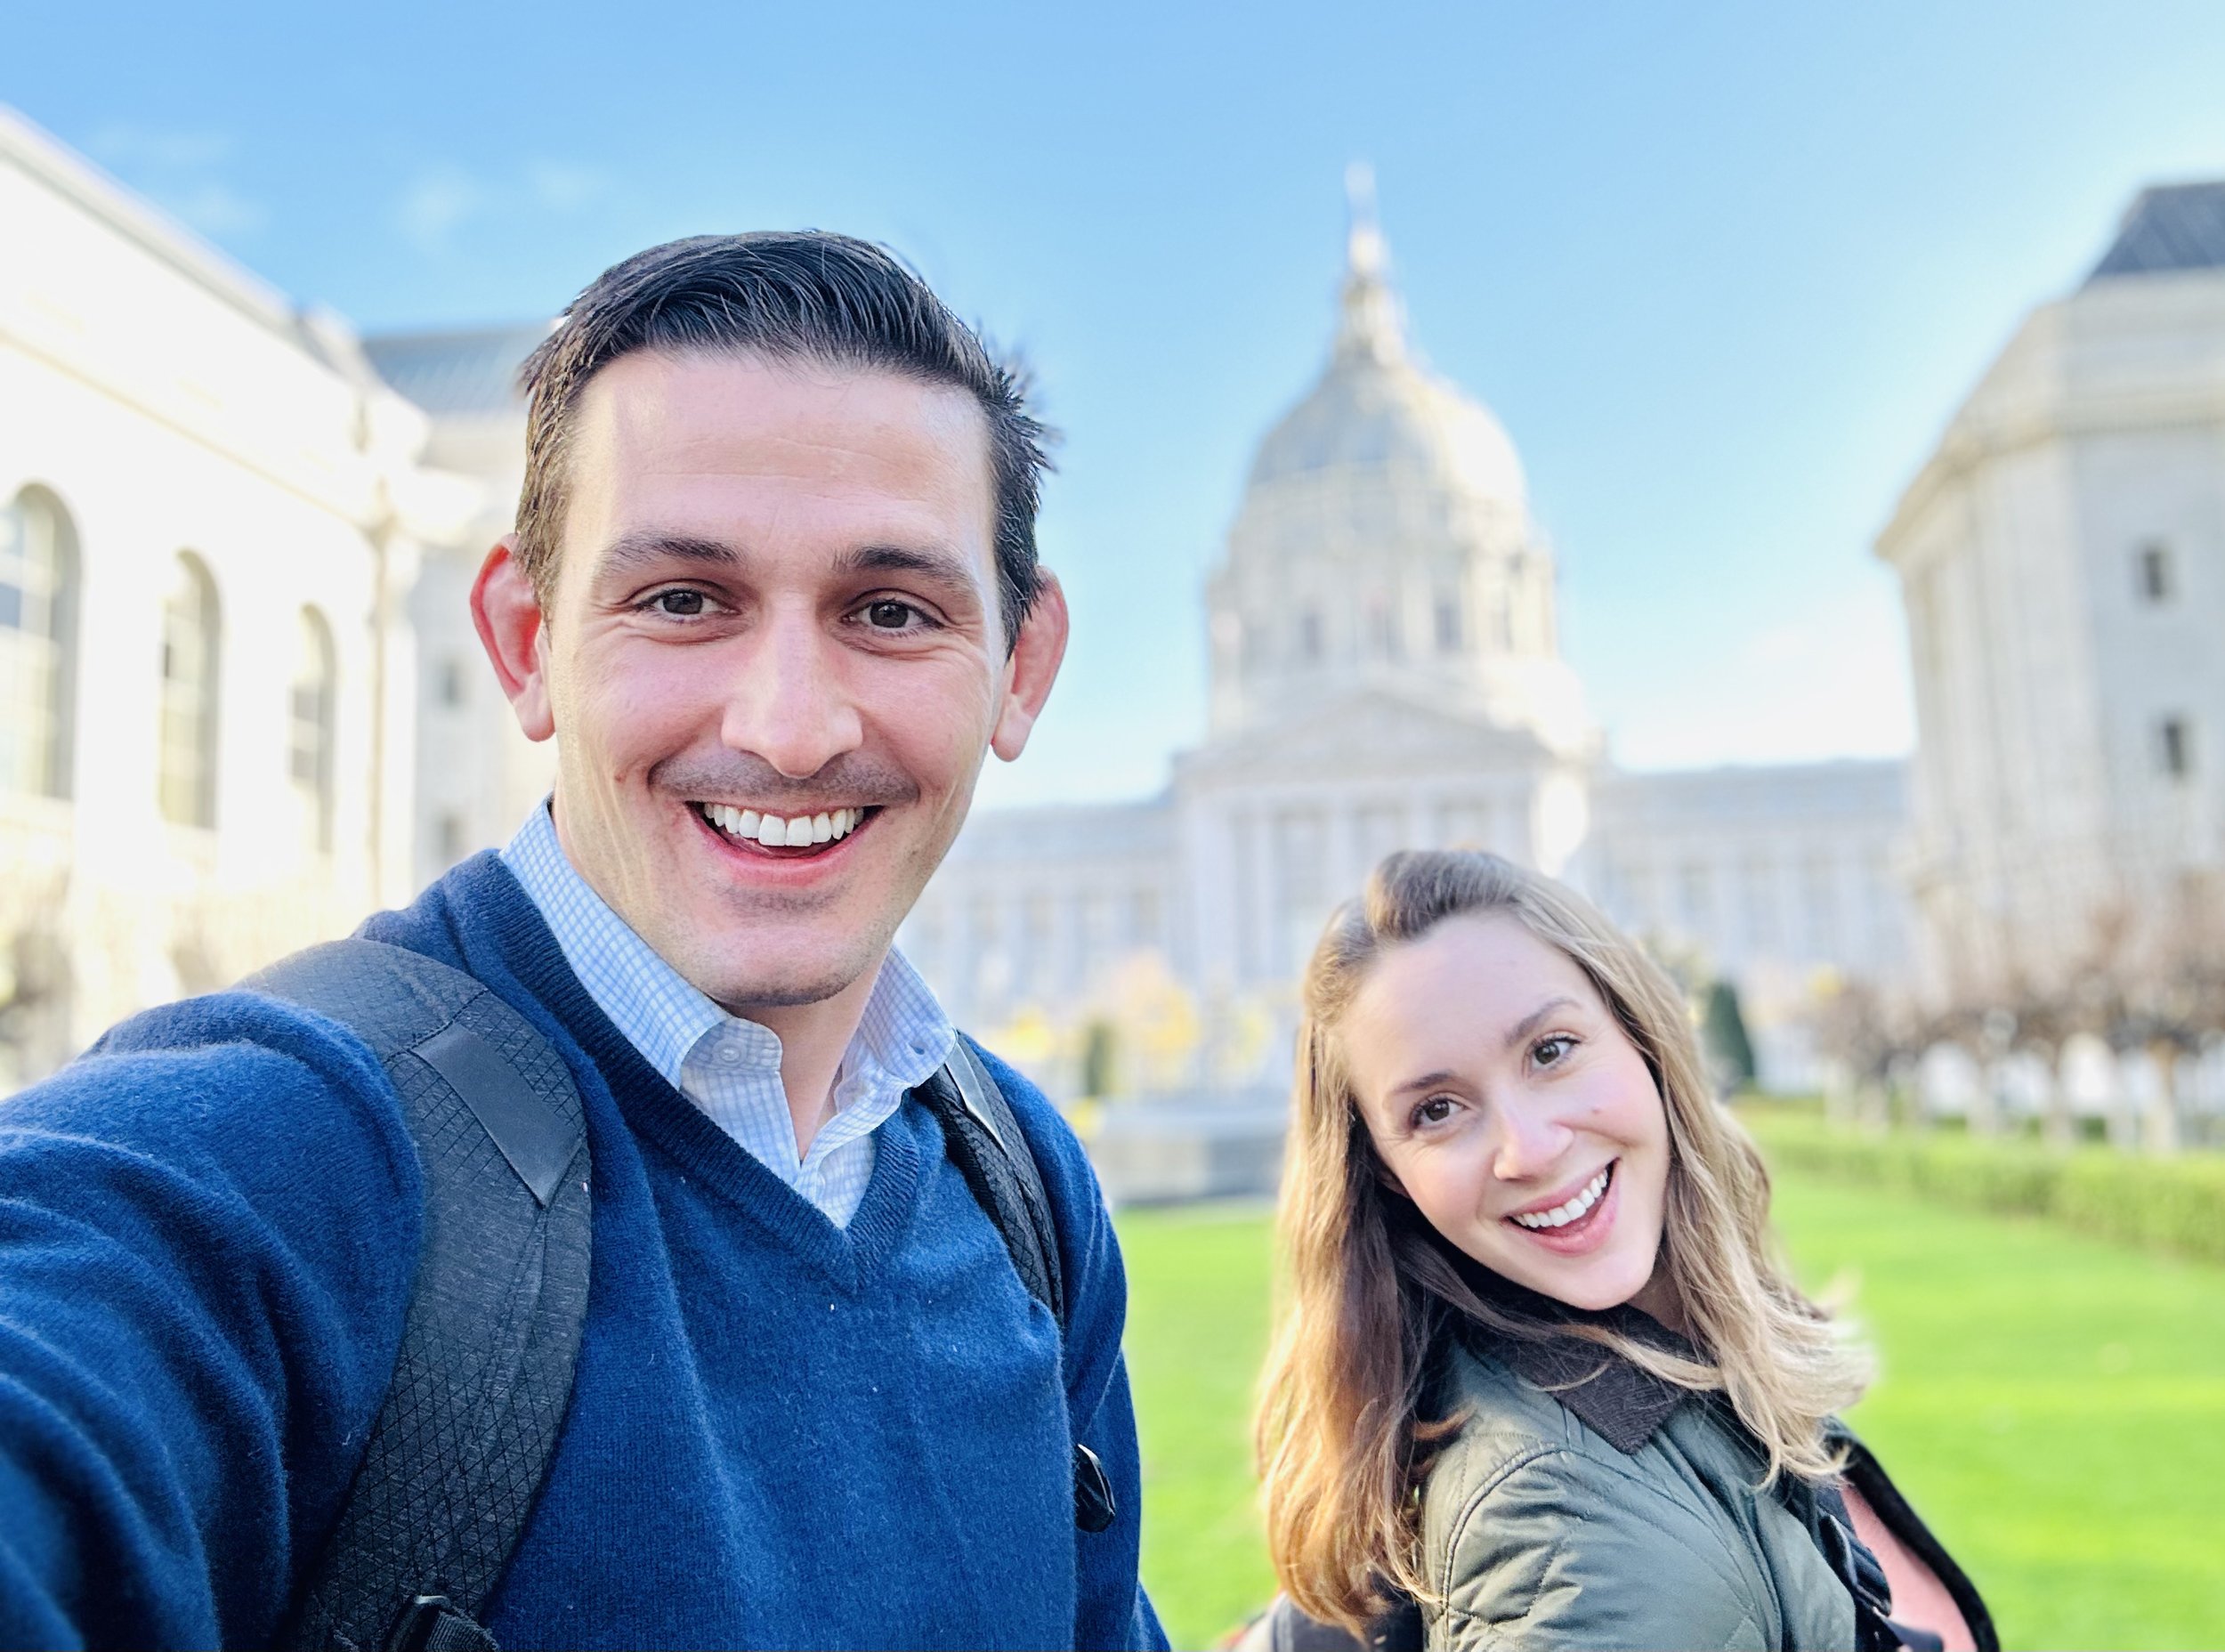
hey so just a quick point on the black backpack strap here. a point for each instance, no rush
(987, 1145)
(464, 1437)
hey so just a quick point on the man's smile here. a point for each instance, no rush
(783, 837)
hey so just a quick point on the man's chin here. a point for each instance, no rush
(744, 992)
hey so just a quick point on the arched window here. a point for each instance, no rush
(191, 640)
(314, 698)
(38, 637)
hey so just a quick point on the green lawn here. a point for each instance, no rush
(2054, 1404)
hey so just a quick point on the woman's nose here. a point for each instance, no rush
(1533, 1141)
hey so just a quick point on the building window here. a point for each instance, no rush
(2174, 747)
(1819, 879)
(1038, 933)
(1382, 631)
(191, 643)
(1763, 932)
(1695, 896)
(1310, 637)
(1142, 919)
(2156, 582)
(315, 700)
(449, 833)
(452, 682)
(1448, 611)
(38, 634)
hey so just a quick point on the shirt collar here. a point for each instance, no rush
(1623, 1402)
(902, 1036)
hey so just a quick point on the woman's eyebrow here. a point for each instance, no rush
(1519, 1033)
(1428, 1081)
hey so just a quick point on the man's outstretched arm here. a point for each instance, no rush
(208, 1232)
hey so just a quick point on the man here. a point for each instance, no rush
(773, 590)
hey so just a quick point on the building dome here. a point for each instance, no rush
(1384, 544)
(1375, 409)
(1393, 417)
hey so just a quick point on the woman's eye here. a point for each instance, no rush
(1434, 1111)
(679, 604)
(888, 614)
(1551, 1051)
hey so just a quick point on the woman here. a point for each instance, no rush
(1538, 1372)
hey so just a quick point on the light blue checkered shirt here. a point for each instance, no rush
(730, 1068)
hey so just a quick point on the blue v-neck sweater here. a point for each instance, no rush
(781, 1433)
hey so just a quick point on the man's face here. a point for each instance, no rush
(773, 659)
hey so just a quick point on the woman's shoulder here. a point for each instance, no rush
(1534, 1523)
(1507, 1418)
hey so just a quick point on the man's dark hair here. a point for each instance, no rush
(803, 294)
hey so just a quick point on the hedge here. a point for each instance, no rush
(2174, 1204)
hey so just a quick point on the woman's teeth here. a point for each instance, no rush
(1561, 1215)
(776, 831)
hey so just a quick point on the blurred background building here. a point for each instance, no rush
(1386, 674)
(212, 514)
(2061, 558)
(245, 704)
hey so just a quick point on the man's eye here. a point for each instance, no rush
(680, 604)
(888, 614)
(1551, 1051)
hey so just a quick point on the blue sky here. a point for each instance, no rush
(1723, 271)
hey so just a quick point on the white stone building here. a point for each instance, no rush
(477, 775)
(2062, 560)
(245, 704)
(211, 513)
(1385, 674)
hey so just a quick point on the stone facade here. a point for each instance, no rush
(211, 517)
(2062, 562)
(1386, 674)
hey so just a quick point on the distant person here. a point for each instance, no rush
(773, 590)
(1539, 1382)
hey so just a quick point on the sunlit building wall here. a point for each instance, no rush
(2062, 563)
(210, 516)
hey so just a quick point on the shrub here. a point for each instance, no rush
(2174, 1204)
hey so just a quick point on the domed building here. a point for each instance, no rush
(1385, 674)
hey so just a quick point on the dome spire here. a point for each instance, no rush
(1369, 326)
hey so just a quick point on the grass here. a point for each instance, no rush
(2055, 1404)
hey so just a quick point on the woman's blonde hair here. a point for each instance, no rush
(1342, 1444)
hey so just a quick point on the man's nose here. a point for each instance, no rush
(789, 703)
(1532, 1139)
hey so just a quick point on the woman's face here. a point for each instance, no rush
(1506, 1101)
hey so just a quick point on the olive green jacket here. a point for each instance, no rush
(1622, 1514)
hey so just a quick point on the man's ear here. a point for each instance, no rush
(1031, 670)
(507, 610)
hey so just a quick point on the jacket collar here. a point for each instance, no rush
(1622, 1403)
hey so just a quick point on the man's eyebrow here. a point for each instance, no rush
(944, 567)
(639, 547)
(1520, 1032)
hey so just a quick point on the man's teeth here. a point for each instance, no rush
(777, 832)
(1561, 1215)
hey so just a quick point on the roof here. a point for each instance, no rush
(2171, 226)
(45, 158)
(466, 371)
(1375, 407)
